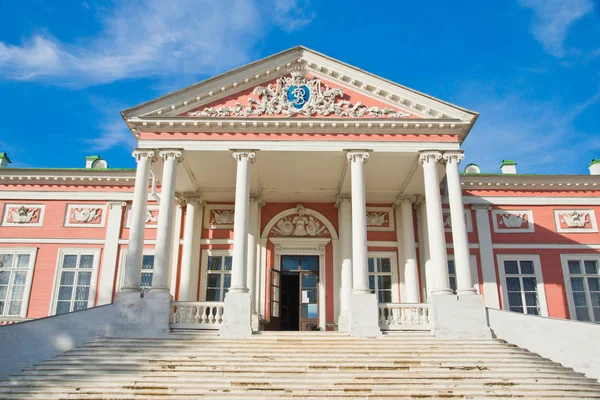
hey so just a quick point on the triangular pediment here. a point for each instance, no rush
(298, 83)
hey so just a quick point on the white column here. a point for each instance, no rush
(424, 250)
(360, 273)
(177, 224)
(135, 249)
(486, 252)
(164, 232)
(464, 282)
(188, 282)
(111, 252)
(252, 245)
(411, 275)
(345, 219)
(435, 225)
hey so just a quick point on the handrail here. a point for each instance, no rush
(405, 316)
(196, 314)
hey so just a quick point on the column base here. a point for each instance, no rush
(255, 324)
(460, 317)
(343, 323)
(143, 317)
(364, 316)
(237, 316)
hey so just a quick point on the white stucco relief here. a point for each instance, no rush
(22, 215)
(297, 95)
(85, 214)
(300, 224)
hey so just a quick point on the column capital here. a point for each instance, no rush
(358, 155)
(138, 154)
(456, 156)
(116, 204)
(406, 198)
(342, 197)
(429, 156)
(189, 197)
(239, 155)
(257, 198)
(171, 153)
(481, 207)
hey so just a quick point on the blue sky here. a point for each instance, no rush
(530, 67)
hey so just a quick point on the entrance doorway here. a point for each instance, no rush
(299, 293)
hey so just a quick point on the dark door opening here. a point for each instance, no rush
(290, 292)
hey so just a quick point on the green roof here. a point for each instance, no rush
(4, 156)
(90, 158)
(594, 161)
(508, 162)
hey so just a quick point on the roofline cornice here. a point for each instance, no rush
(530, 182)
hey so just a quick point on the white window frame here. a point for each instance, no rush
(394, 264)
(57, 273)
(537, 268)
(204, 272)
(564, 260)
(123, 262)
(472, 269)
(29, 280)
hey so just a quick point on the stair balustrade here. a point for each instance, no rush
(399, 317)
(196, 314)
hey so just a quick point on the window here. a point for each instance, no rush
(380, 278)
(217, 275)
(452, 275)
(472, 269)
(76, 280)
(147, 272)
(16, 273)
(522, 285)
(583, 279)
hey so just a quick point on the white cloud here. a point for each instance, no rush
(114, 133)
(553, 19)
(142, 38)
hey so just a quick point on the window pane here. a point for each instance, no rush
(533, 310)
(67, 278)
(529, 284)
(4, 277)
(63, 307)
(591, 267)
(385, 296)
(574, 267)
(82, 293)
(86, 261)
(79, 305)
(19, 278)
(514, 299)
(453, 283)
(310, 263)
(146, 279)
(17, 292)
(22, 261)
(582, 313)
(147, 262)
(309, 280)
(2, 308)
(65, 292)
(6, 260)
(579, 299)
(84, 278)
(596, 314)
(371, 264)
(517, 309)
(69, 261)
(214, 280)
(213, 295)
(385, 264)
(595, 298)
(577, 284)
(527, 267)
(214, 263)
(312, 295)
(594, 284)
(371, 282)
(510, 267)
(385, 282)
(289, 263)
(226, 281)
(531, 299)
(228, 262)
(513, 284)
(3, 291)
(451, 267)
(15, 308)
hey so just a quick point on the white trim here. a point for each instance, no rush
(382, 243)
(101, 224)
(174, 269)
(93, 280)
(537, 266)
(215, 241)
(207, 211)
(291, 211)
(51, 241)
(564, 260)
(530, 222)
(390, 217)
(41, 207)
(533, 201)
(591, 213)
(448, 224)
(472, 269)
(204, 268)
(486, 258)
(147, 242)
(111, 252)
(65, 195)
(393, 256)
(29, 279)
(545, 246)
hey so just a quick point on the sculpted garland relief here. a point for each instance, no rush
(301, 224)
(297, 95)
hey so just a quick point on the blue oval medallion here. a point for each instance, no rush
(298, 96)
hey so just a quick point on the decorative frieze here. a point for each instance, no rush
(513, 221)
(575, 221)
(219, 216)
(23, 215)
(151, 218)
(380, 219)
(87, 215)
(300, 224)
(448, 220)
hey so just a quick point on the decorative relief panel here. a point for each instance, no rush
(513, 221)
(380, 219)
(151, 216)
(575, 221)
(23, 215)
(85, 215)
(219, 216)
(298, 95)
(300, 224)
(448, 220)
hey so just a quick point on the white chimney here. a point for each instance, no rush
(472, 169)
(95, 162)
(4, 160)
(595, 166)
(508, 167)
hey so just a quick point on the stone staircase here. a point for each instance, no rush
(303, 365)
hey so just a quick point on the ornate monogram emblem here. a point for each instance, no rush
(296, 94)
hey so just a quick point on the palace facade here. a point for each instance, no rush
(300, 193)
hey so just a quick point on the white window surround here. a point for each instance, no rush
(537, 266)
(564, 259)
(472, 269)
(204, 267)
(32, 252)
(57, 273)
(527, 229)
(123, 259)
(394, 264)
